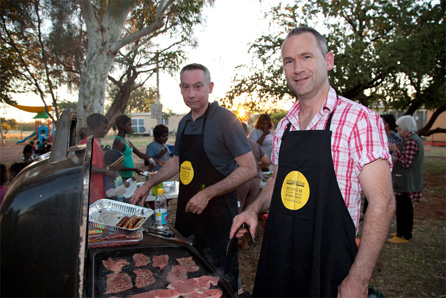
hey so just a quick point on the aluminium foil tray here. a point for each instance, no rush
(107, 213)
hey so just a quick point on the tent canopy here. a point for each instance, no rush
(31, 109)
(41, 115)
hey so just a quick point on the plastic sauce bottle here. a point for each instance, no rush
(160, 209)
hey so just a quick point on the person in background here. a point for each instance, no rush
(15, 169)
(123, 124)
(392, 137)
(3, 180)
(97, 127)
(262, 133)
(390, 126)
(213, 158)
(115, 188)
(326, 150)
(407, 176)
(28, 154)
(33, 145)
(82, 133)
(247, 192)
(158, 148)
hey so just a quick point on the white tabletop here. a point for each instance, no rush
(171, 190)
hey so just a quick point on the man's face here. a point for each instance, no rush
(195, 90)
(100, 131)
(306, 68)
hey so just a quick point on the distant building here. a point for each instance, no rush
(143, 123)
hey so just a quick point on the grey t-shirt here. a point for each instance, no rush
(224, 137)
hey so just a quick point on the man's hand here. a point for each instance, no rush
(141, 194)
(250, 218)
(352, 288)
(197, 203)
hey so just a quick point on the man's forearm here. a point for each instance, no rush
(376, 183)
(238, 177)
(246, 170)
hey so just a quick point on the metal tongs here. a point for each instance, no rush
(243, 226)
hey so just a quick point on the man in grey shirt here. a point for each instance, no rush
(213, 157)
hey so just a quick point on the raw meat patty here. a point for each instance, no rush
(160, 261)
(206, 281)
(177, 273)
(118, 282)
(189, 264)
(141, 260)
(144, 278)
(115, 265)
(185, 287)
(216, 293)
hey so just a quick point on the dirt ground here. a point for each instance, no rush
(433, 205)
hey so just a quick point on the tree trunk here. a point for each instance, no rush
(119, 103)
(92, 84)
(426, 130)
(101, 38)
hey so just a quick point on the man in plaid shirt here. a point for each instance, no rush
(326, 151)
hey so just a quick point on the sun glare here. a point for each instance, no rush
(241, 113)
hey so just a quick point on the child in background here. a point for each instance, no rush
(28, 153)
(114, 189)
(158, 148)
(4, 179)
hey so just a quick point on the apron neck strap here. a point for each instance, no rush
(327, 126)
(205, 117)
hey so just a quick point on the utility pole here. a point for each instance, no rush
(160, 115)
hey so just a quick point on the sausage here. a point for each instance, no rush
(130, 222)
(139, 222)
(122, 221)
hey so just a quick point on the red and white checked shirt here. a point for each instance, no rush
(405, 159)
(358, 138)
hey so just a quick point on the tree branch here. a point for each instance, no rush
(90, 19)
(158, 23)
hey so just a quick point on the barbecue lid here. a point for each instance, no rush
(44, 218)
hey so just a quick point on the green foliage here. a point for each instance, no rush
(65, 104)
(8, 124)
(385, 52)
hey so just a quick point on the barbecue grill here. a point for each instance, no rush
(44, 227)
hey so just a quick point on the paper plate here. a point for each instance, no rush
(131, 189)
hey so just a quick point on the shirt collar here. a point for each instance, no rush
(329, 104)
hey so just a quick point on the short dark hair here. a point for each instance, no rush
(389, 119)
(300, 30)
(121, 120)
(83, 133)
(159, 130)
(263, 117)
(96, 119)
(195, 66)
(28, 149)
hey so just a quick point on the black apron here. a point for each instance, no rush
(309, 243)
(211, 228)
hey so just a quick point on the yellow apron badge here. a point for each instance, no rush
(295, 190)
(186, 172)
